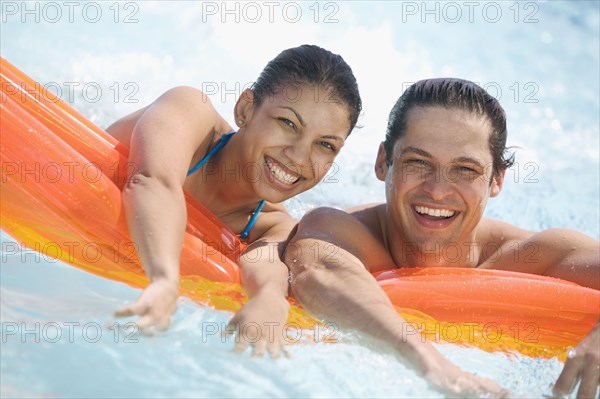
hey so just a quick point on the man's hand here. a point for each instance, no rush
(260, 323)
(582, 363)
(155, 306)
(454, 382)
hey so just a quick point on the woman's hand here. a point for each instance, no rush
(260, 323)
(155, 306)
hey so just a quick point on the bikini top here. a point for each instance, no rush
(222, 142)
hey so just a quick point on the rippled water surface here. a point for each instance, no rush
(539, 58)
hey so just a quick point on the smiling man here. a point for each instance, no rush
(443, 157)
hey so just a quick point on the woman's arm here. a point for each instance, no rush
(162, 142)
(264, 277)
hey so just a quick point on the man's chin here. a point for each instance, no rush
(431, 245)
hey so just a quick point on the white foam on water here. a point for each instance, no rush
(545, 73)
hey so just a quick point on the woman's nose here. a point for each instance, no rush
(298, 153)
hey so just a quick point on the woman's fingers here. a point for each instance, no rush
(137, 308)
(151, 320)
(260, 348)
(275, 350)
(241, 345)
(260, 344)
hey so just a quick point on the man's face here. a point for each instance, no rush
(440, 178)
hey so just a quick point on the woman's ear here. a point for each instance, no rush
(381, 166)
(244, 108)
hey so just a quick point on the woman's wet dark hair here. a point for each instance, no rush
(451, 93)
(314, 66)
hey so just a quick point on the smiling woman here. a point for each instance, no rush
(292, 123)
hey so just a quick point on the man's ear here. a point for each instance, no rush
(497, 182)
(381, 166)
(244, 108)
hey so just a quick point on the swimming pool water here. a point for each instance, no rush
(540, 58)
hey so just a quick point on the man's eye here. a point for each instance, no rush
(419, 162)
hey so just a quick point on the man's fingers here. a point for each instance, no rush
(568, 377)
(590, 376)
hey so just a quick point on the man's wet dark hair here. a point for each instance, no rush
(314, 66)
(452, 94)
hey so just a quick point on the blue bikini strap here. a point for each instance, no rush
(250, 225)
(222, 141)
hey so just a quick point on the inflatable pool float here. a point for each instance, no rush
(61, 195)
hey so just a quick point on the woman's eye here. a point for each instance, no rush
(328, 145)
(288, 122)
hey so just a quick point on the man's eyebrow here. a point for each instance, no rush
(415, 150)
(425, 154)
(295, 113)
(468, 160)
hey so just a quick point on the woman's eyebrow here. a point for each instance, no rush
(328, 136)
(295, 113)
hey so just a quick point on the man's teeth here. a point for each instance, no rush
(446, 213)
(280, 173)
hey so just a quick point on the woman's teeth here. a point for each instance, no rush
(281, 174)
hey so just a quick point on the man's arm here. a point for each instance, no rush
(561, 253)
(330, 280)
(568, 255)
(584, 364)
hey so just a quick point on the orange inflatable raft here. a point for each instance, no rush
(61, 195)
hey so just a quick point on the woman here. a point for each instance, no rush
(291, 125)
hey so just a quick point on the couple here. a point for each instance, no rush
(444, 155)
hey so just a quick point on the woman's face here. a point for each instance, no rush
(291, 139)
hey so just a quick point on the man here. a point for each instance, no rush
(443, 157)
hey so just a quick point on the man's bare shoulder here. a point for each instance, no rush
(355, 232)
(492, 231)
(556, 252)
(331, 224)
(370, 215)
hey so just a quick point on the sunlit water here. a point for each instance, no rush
(540, 59)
